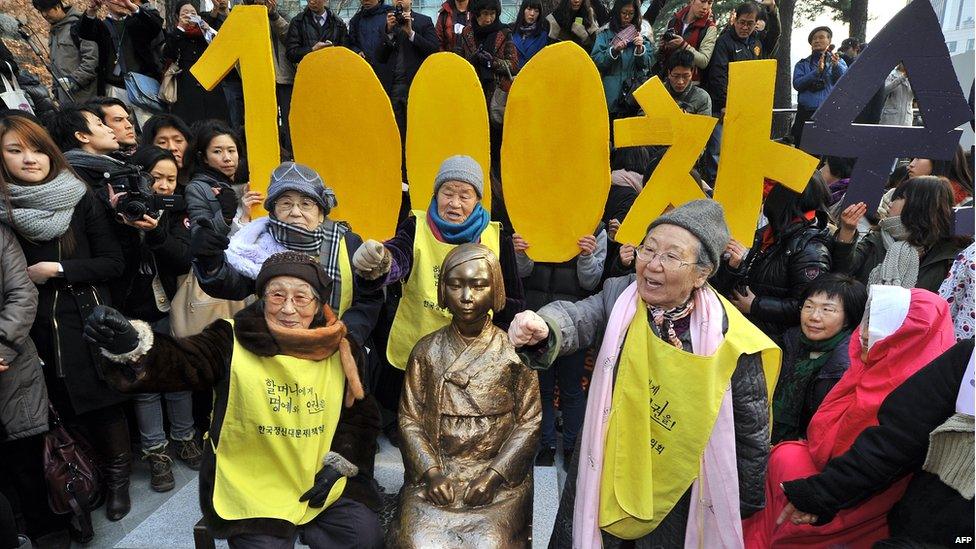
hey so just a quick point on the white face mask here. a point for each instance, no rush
(887, 310)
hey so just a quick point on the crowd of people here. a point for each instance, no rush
(833, 406)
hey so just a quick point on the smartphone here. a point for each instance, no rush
(579, 21)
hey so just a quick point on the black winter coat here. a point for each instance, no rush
(304, 32)
(408, 54)
(194, 102)
(815, 392)
(140, 34)
(858, 260)
(729, 48)
(203, 362)
(163, 252)
(930, 511)
(69, 363)
(779, 274)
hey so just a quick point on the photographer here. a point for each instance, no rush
(315, 28)
(163, 256)
(185, 43)
(692, 29)
(487, 44)
(620, 55)
(408, 39)
(814, 77)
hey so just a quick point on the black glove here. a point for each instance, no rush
(324, 480)
(228, 202)
(110, 330)
(207, 245)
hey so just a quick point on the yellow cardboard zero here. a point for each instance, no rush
(342, 126)
(435, 132)
(748, 155)
(555, 166)
(671, 183)
(245, 39)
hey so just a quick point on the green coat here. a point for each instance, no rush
(616, 70)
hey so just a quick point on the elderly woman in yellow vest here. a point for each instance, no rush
(676, 435)
(290, 422)
(298, 205)
(469, 420)
(414, 255)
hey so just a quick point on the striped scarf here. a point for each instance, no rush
(664, 319)
(322, 241)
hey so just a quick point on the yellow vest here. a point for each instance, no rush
(345, 274)
(665, 403)
(418, 313)
(281, 415)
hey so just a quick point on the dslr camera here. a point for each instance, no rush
(139, 199)
(398, 14)
(670, 35)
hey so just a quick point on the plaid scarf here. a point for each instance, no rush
(664, 319)
(323, 241)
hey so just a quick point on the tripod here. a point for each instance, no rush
(40, 50)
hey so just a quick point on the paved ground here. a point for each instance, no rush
(166, 520)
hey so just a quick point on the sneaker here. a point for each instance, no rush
(546, 457)
(160, 469)
(189, 452)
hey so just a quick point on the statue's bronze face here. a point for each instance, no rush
(469, 291)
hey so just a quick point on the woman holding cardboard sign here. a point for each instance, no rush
(455, 216)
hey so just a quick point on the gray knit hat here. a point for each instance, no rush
(706, 220)
(289, 176)
(461, 168)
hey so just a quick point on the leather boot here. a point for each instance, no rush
(116, 476)
(113, 444)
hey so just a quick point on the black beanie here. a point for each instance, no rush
(298, 265)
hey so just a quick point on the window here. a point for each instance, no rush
(969, 44)
(951, 46)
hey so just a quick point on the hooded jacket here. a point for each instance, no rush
(23, 393)
(74, 58)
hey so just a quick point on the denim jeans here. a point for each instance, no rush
(567, 371)
(234, 95)
(711, 156)
(149, 413)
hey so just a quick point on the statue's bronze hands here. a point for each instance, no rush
(439, 490)
(481, 491)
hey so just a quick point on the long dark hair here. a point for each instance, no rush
(783, 204)
(33, 134)
(618, 6)
(204, 132)
(927, 214)
(520, 17)
(149, 155)
(564, 14)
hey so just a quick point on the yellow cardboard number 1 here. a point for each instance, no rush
(244, 39)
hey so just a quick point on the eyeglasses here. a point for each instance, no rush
(306, 205)
(279, 298)
(823, 311)
(669, 260)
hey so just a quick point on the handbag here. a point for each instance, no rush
(192, 309)
(13, 95)
(168, 92)
(143, 91)
(71, 474)
(499, 98)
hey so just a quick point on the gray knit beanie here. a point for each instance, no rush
(706, 220)
(289, 176)
(461, 168)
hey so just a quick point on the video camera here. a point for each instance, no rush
(139, 199)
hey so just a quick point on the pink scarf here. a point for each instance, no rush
(714, 516)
